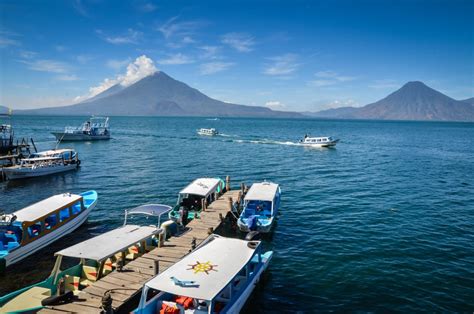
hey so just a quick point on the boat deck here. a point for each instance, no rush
(126, 284)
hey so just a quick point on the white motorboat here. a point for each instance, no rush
(44, 163)
(325, 141)
(96, 128)
(24, 232)
(208, 132)
(218, 277)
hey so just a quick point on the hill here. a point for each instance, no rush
(158, 95)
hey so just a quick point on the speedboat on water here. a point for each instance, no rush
(24, 232)
(191, 198)
(96, 258)
(261, 204)
(208, 132)
(218, 277)
(44, 163)
(96, 128)
(325, 141)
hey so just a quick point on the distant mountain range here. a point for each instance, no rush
(413, 101)
(158, 95)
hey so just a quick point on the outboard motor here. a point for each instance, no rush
(252, 223)
(252, 235)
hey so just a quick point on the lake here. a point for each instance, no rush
(383, 222)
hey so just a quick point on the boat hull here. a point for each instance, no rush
(260, 228)
(71, 137)
(15, 173)
(242, 299)
(32, 247)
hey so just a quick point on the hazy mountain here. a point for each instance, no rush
(469, 101)
(3, 110)
(158, 95)
(341, 112)
(413, 101)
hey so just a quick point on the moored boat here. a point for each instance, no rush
(6, 135)
(32, 228)
(44, 163)
(94, 129)
(217, 277)
(261, 205)
(325, 141)
(96, 257)
(208, 132)
(191, 198)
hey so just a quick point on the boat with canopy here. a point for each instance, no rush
(44, 163)
(325, 141)
(96, 128)
(32, 228)
(261, 204)
(191, 198)
(217, 277)
(6, 134)
(97, 257)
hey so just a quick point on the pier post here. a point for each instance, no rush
(210, 231)
(156, 267)
(231, 202)
(227, 183)
(203, 204)
(242, 187)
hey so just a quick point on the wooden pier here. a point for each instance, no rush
(126, 285)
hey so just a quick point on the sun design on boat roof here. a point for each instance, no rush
(202, 267)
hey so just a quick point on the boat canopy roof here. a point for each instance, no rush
(41, 158)
(211, 267)
(105, 245)
(264, 191)
(201, 186)
(150, 209)
(44, 207)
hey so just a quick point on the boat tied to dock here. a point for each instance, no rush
(34, 227)
(261, 205)
(94, 129)
(194, 197)
(218, 277)
(44, 163)
(97, 257)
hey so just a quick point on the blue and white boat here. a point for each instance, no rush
(32, 228)
(217, 277)
(94, 129)
(96, 258)
(261, 204)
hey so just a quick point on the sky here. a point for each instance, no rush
(286, 55)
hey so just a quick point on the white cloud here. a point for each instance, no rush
(147, 7)
(51, 66)
(77, 4)
(140, 68)
(323, 105)
(117, 64)
(60, 48)
(130, 37)
(25, 54)
(274, 105)
(282, 65)
(214, 67)
(6, 39)
(210, 52)
(329, 78)
(83, 59)
(71, 77)
(241, 42)
(180, 29)
(176, 59)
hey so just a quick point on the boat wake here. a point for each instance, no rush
(269, 142)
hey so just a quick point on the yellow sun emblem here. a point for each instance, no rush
(202, 267)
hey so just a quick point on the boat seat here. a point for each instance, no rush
(12, 245)
(89, 275)
(133, 252)
(108, 267)
(72, 283)
(249, 212)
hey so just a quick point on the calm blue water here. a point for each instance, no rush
(384, 222)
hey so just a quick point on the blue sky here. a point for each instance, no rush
(288, 55)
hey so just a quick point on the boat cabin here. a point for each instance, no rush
(95, 126)
(191, 197)
(318, 140)
(211, 279)
(37, 220)
(210, 132)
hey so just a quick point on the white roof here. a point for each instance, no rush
(264, 191)
(150, 209)
(109, 243)
(201, 186)
(54, 151)
(224, 258)
(46, 206)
